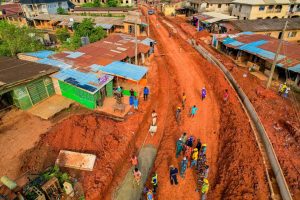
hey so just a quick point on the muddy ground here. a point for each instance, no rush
(237, 169)
(280, 116)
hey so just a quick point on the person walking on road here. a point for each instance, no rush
(193, 111)
(150, 195)
(154, 117)
(135, 103)
(226, 95)
(154, 182)
(183, 166)
(194, 157)
(179, 146)
(178, 114)
(146, 93)
(188, 152)
(198, 145)
(183, 100)
(204, 189)
(173, 175)
(137, 175)
(203, 93)
(134, 161)
(190, 141)
(183, 138)
(203, 149)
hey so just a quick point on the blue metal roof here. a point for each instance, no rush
(40, 54)
(295, 68)
(76, 54)
(105, 26)
(87, 81)
(125, 70)
(95, 67)
(55, 63)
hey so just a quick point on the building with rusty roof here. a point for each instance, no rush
(116, 47)
(271, 27)
(258, 51)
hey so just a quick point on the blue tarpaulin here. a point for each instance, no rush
(40, 54)
(125, 70)
(88, 81)
(54, 63)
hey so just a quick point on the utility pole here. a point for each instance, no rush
(136, 47)
(276, 56)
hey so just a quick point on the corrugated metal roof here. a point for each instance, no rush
(125, 70)
(40, 54)
(105, 26)
(90, 82)
(54, 63)
(265, 47)
(295, 68)
(262, 2)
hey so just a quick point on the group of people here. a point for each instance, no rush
(195, 154)
(133, 100)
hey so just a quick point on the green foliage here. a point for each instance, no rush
(96, 3)
(61, 11)
(62, 34)
(112, 3)
(14, 39)
(84, 29)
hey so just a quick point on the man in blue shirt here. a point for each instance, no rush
(146, 93)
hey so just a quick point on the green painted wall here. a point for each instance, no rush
(25, 96)
(109, 89)
(86, 99)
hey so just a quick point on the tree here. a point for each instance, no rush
(84, 29)
(14, 39)
(96, 3)
(112, 3)
(61, 11)
(62, 34)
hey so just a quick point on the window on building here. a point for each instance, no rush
(240, 9)
(292, 34)
(270, 7)
(219, 5)
(207, 5)
(84, 1)
(261, 8)
(126, 2)
(259, 18)
(245, 18)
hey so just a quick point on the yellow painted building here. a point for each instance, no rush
(259, 9)
(170, 9)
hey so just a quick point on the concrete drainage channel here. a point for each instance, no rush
(263, 137)
(129, 190)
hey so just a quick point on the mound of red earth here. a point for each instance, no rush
(278, 115)
(108, 140)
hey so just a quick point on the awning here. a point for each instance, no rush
(125, 70)
(295, 68)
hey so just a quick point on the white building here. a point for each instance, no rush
(221, 6)
(33, 8)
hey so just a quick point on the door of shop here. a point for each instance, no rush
(37, 91)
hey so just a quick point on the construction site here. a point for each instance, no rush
(252, 138)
